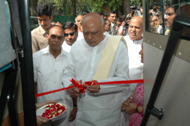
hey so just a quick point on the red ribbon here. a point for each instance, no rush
(82, 89)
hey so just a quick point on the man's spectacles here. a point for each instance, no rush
(169, 14)
(71, 34)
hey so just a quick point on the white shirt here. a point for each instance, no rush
(66, 47)
(112, 24)
(48, 72)
(159, 29)
(80, 36)
(102, 108)
(120, 29)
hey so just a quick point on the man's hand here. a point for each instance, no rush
(128, 101)
(41, 120)
(126, 104)
(130, 109)
(73, 114)
(93, 88)
(74, 92)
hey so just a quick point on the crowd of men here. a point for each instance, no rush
(156, 21)
(91, 48)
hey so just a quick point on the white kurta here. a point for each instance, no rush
(102, 108)
(48, 72)
(135, 65)
(66, 47)
(80, 36)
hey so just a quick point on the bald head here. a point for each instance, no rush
(93, 28)
(137, 19)
(94, 16)
(59, 24)
(78, 19)
(135, 28)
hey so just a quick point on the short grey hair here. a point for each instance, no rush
(101, 21)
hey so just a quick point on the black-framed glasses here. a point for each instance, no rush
(71, 34)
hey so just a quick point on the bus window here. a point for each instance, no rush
(162, 13)
(155, 17)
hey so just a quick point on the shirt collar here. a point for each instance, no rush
(136, 41)
(46, 51)
(43, 31)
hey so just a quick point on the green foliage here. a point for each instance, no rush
(96, 5)
(64, 6)
(68, 8)
(138, 2)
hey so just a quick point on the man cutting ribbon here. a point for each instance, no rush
(102, 58)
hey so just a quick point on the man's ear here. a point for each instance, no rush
(47, 36)
(76, 33)
(51, 17)
(103, 27)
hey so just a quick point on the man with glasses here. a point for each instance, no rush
(45, 16)
(70, 35)
(49, 64)
(170, 15)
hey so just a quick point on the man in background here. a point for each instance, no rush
(112, 17)
(169, 18)
(70, 35)
(78, 20)
(107, 25)
(38, 35)
(134, 40)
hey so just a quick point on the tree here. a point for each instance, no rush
(33, 6)
(120, 6)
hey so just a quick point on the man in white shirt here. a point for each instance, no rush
(70, 35)
(134, 40)
(78, 20)
(100, 105)
(48, 65)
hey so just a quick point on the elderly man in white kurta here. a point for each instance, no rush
(49, 64)
(134, 40)
(100, 105)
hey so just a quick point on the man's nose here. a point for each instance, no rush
(166, 17)
(89, 36)
(42, 22)
(69, 36)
